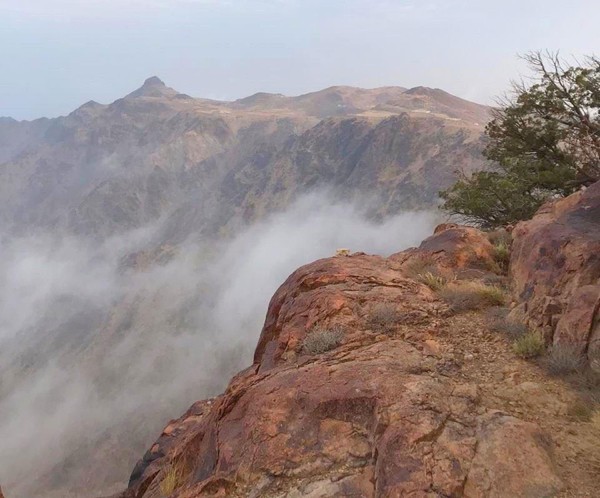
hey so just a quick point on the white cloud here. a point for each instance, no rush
(169, 335)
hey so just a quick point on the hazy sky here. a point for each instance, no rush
(57, 54)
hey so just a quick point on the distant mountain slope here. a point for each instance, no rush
(104, 169)
(116, 223)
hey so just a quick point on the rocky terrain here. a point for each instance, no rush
(556, 272)
(391, 377)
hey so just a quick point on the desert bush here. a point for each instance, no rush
(502, 255)
(529, 345)
(582, 410)
(432, 280)
(564, 359)
(498, 320)
(419, 265)
(320, 340)
(383, 317)
(472, 295)
(500, 236)
(173, 479)
(496, 280)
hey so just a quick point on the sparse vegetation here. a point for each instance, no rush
(466, 296)
(321, 340)
(502, 255)
(529, 345)
(419, 265)
(173, 479)
(500, 236)
(383, 318)
(582, 410)
(563, 359)
(500, 322)
(433, 281)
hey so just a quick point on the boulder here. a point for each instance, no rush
(555, 267)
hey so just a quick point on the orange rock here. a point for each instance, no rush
(555, 266)
(370, 417)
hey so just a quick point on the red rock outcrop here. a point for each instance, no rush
(555, 267)
(379, 415)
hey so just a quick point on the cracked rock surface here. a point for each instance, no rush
(409, 412)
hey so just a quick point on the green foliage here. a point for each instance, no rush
(544, 143)
(529, 345)
(492, 199)
(502, 255)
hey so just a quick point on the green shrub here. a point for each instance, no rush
(502, 255)
(529, 345)
(539, 144)
(320, 340)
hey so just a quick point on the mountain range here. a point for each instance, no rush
(125, 227)
(209, 165)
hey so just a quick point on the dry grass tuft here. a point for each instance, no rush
(500, 236)
(432, 280)
(582, 410)
(321, 340)
(173, 479)
(564, 359)
(529, 345)
(423, 263)
(502, 255)
(466, 296)
(384, 318)
(497, 317)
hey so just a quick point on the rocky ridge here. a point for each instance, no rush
(207, 166)
(435, 404)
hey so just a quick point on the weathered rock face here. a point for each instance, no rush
(380, 415)
(555, 267)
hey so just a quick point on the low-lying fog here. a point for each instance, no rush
(96, 357)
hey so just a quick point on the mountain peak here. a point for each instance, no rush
(153, 87)
(154, 81)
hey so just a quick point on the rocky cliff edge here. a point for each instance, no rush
(367, 381)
